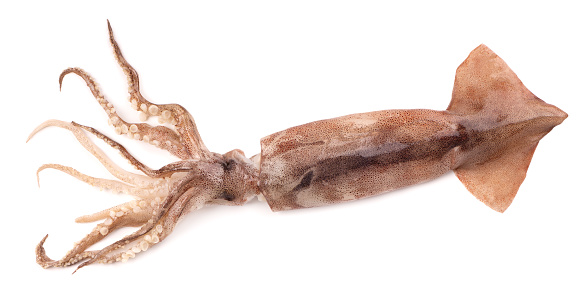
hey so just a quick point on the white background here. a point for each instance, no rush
(245, 69)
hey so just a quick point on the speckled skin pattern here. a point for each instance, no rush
(487, 135)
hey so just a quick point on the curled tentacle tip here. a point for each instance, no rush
(76, 269)
(77, 71)
(42, 241)
(40, 250)
(61, 76)
(41, 257)
(42, 168)
(32, 134)
(50, 122)
(83, 265)
(61, 80)
(36, 130)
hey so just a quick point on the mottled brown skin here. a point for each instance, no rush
(487, 136)
(356, 156)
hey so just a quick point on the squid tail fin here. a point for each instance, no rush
(506, 119)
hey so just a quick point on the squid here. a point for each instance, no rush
(487, 135)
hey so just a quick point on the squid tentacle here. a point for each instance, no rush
(164, 195)
(135, 206)
(174, 114)
(179, 166)
(159, 136)
(158, 227)
(78, 253)
(153, 202)
(131, 214)
(114, 169)
(44, 261)
(101, 183)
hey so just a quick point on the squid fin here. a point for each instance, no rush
(506, 119)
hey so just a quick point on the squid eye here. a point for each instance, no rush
(229, 164)
(226, 195)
